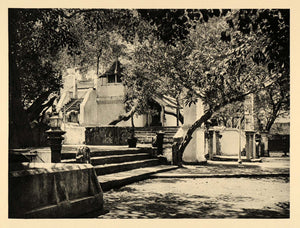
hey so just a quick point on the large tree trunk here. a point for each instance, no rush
(198, 123)
(37, 106)
(270, 124)
(188, 137)
(20, 134)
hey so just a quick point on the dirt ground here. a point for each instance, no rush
(200, 198)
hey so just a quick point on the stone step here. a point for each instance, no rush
(71, 154)
(120, 152)
(234, 158)
(119, 158)
(149, 140)
(150, 137)
(154, 132)
(120, 167)
(120, 179)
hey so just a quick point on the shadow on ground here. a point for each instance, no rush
(129, 203)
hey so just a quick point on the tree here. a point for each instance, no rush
(214, 64)
(42, 43)
(274, 26)
(35, 37)
(230, 115)
(270, 104)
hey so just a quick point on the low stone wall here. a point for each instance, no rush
(107, 135)
(75, 135)
(230, 142)
(47, 190)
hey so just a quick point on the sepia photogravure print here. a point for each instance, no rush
(149, 113)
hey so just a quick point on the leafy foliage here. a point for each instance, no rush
(216, 56)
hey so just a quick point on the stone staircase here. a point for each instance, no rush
(117, 166)
(73, 104)
(145, 135)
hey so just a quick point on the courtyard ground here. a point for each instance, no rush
(215, 190)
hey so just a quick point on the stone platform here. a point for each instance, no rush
(53, 190)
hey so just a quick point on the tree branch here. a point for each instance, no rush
(124, 117)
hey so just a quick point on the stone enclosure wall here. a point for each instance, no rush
(107, 135)
(47, 190)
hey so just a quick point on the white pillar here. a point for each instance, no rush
(74, 87)
(195, 151)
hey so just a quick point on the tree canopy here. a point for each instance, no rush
(215, 56)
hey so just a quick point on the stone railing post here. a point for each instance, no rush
(250, 144)
(265, 142)
(176, 157)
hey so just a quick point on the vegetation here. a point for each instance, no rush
(212, 56)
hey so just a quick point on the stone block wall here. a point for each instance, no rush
(47, 190)
(107, 135)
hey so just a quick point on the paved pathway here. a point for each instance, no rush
(190, 195)
(277, 166)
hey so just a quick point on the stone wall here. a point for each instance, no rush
(75, 135)
(47, 190)
(107, 135)
(230, 142)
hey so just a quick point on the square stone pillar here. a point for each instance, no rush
(162, 116)
(218, 143)
(250, 144)
(211, 147)
(265, 141)
(195, 151)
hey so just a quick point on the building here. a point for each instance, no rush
(88, 102)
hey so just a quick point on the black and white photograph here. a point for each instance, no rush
(148, 113)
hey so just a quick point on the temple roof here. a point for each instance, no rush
(116, 68)
(166, 101)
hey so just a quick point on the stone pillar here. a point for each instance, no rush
(214, 144)
(194, 152)
(265, 141)
(148, 119)
(206, 144)
(250, 144)
(162, 116)
(210, 144)
(218, 143)
(75, 94)
(176, 158)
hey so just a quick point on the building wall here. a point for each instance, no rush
(88, 112)
(170, 120)
(75, 135)
(139, 121)
(105, 89)
(195, 151)
(108, 110)
(230, 142)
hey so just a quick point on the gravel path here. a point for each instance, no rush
(200, 198)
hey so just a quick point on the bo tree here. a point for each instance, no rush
(35, 37)
(216, 64)
(273, 101)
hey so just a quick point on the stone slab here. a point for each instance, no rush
(114, 180)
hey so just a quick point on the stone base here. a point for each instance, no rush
(47, 190)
